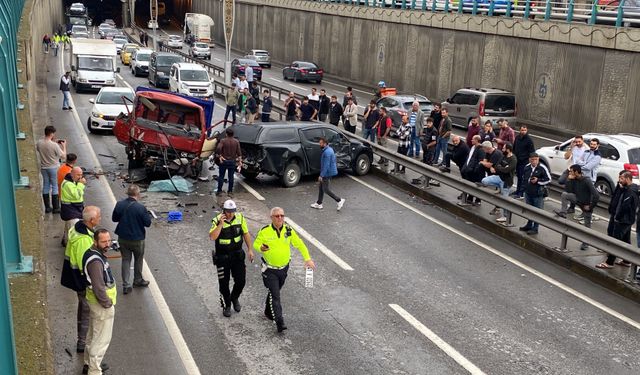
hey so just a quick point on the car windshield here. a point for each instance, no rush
(143, 56)
(175, 38)
(130, 49)
(113, 97)
(261, 53)
(119, 41)
(100, 64)
(247, 61)
(425, 105)
(168, 60)
(77, 28)
(77, 20)
(202, 45)
(307, 65)
(634, 155)
(194, 75)
(500, 102)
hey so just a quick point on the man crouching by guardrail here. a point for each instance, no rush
(537, 177)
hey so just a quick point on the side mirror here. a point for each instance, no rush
(557, 147)
(447, 100)
(118, 70)
(73, 68)
(92, 101)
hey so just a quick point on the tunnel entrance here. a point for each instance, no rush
(100, 10)
(170, 12)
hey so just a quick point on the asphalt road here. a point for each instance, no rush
(428, 293)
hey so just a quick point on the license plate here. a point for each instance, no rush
(111, 123)
(312, 72)
(96, 86)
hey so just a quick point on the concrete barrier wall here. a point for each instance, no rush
(565, 81)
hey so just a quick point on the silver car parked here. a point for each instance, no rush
(487, 103)
(261, 56)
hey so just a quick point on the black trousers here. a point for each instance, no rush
(618, 231)
(274, 280)
(230, 265)
(325, 187)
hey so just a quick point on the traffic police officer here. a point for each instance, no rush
(274, 243)
(229, 229)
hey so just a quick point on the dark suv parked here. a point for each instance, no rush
(159, 66)
(290, 150)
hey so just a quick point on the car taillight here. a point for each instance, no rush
(402, 113)
(303, 71)
(633, 168)
(481, 109)
(320, 71)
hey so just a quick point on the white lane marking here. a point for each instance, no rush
(301, 88)
(311, 239)
(323, 249)
(345, 87)
(273, 79)
(124, 81)
(506, 257)
(251, 190)
(545, 138)
(217, 59)
(169, 321)
(439, 342)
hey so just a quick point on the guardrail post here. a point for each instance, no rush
(404, 4)
(460, 5)
(570, 11)
(547, 11)
(413, 4)
(620, 13)
(509, 7)
(434, 5)
(527, 9)
(492, 6)
(474, 10)
(424, 5)
(594, 13)
(563, 244)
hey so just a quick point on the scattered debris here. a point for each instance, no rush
(176, 183)
(107, 156)
(153, 214)
(191, 204)
(169, 199)
(174, 216)
(68, 352)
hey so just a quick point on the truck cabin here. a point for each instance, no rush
(173, 118)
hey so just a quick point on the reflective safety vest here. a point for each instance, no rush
(279, 242)
(77, 245)
(109, 281)
(72, 192)
(230, 238)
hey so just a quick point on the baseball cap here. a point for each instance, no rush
(229, 206)
(487, 144)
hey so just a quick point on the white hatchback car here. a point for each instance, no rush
(107, 106)
(174, 41)
(200, 50)
(140, 61)
(619, 152)
(190, 79)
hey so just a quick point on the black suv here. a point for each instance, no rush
(159, 66)
(290, 150)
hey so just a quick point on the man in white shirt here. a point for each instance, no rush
(243, 84)
(573, 155)
(248, 72)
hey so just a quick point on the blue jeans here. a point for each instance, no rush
(369, 134)
(441, 145)
(415, 144)
(535, 201)
(495, 180)
(230, 166)
(49, 180)
(265, 117)
(66, 95)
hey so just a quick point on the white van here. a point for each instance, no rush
(190, 79)
(93, 64)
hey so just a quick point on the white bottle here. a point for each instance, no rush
(308, 278)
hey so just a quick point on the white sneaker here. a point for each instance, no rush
(341, 203)
(501, 219)
(316, 206)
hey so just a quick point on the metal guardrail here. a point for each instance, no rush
(625, 13)
(566, 228)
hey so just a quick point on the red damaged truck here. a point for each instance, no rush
(167, 132)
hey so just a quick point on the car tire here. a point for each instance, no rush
(319, 81)
(603, 187)
(249, 175)
(284, 76)
(291, 175)
(362, 165)
(91, 130)
(295, 78)
(269, 66)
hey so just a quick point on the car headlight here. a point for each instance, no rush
(184, 86)
(97, 114)
(111, 81)
(82, 80)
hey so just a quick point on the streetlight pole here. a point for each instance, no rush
(154, 18)
(229, 8)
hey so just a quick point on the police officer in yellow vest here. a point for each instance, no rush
(274, 242)
(80, 240)
(229, 229)
(101, 295)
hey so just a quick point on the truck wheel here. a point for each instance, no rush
(362, 165)
(249, 175)
(291, 175)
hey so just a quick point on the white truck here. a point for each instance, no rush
(198, 26)
(93, 63)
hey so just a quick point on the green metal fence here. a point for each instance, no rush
(11, 259)
(607, 12)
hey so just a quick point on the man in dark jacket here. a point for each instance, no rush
(579, 190)
(522, 148)
(622, 211)
(323, 106)
(371, 117)
(537, 177)
(335, 111)
(328, 169)
(267, 105)
(458, 154)
(506, 169)
(472, 170)
(132, 218)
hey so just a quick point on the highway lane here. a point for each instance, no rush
(498, 319)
